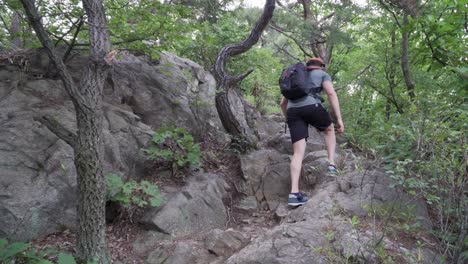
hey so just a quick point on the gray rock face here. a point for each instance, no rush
(198, 207)
(224, 243)
(37, 174)
(266, 175)
(184, 252)
(175, 92)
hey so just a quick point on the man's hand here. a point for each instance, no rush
(339, 126)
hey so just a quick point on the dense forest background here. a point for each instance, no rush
(399, 66)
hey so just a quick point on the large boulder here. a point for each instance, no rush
(37, 174)
(266, 176)
(198, 207)
(172, 91)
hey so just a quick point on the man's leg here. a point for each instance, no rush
(330, 143)
(296, 164)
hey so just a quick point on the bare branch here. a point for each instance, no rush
(58, 129)
(287, 52)
(5, 24)
(282, 31)
(35, 21)
(325, 18)
(306, 8)
(235, 49)
(391, 12)
(390, 99)
(72, 44)
(239, 78)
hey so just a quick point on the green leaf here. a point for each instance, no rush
(64, 258)
(3, 243)
(45, 261)
(13, 249)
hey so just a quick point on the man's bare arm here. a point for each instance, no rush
(335, 104)
(284, 105)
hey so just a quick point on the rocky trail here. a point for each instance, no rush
(234, 212)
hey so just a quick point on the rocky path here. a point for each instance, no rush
(352, 218)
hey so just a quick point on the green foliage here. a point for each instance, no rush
(209, 38)
(148, 26)
(424, 142)
(131, 192)
(66, 259)
(19, 252)
(261, 87)
(174, 146)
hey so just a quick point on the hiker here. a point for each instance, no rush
(308, 110)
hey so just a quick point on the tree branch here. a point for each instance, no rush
(239, 78)
(235, 49)
(391, 12)
(287, 52)
(35, 21)
(5, 24)
(325, 18)
(306, 8)
(280, 30)
(72, 44)
(58, 129)
(390, 99)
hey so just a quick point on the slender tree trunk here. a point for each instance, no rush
(306, 8)
(87, 100)
(404, 60)
(15, 30)
(388, 108)
(391, 76)
(236, 123)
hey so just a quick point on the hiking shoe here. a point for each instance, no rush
(296, 199)
(332, 170)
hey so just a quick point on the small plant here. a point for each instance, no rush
(19, 252)
(174, 146)
(131, 192)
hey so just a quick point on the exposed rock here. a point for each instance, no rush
(196, 208)
(266, 175)
(139, 97)
(148, 241)
(291, 243)
(184, 252)
(224, 243)
(175, 91)
(372, 188)
(247, 205)
(281, 212)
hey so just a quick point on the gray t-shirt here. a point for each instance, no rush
(315, 78)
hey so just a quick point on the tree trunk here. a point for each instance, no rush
(391, 68)
(87, 100)
(404, 59)
(236, 123)
(15, 30)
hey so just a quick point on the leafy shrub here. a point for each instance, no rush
(131, 192)
(175, 146)
(19, 252)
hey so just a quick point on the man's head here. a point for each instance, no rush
(315, 63)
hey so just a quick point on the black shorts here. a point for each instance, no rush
(300, 117)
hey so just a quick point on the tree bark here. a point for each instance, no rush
(233, 122)
(87, 100)
(390, 74)
(15, 30)
(404, 59)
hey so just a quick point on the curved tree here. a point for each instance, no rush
(228, 93)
